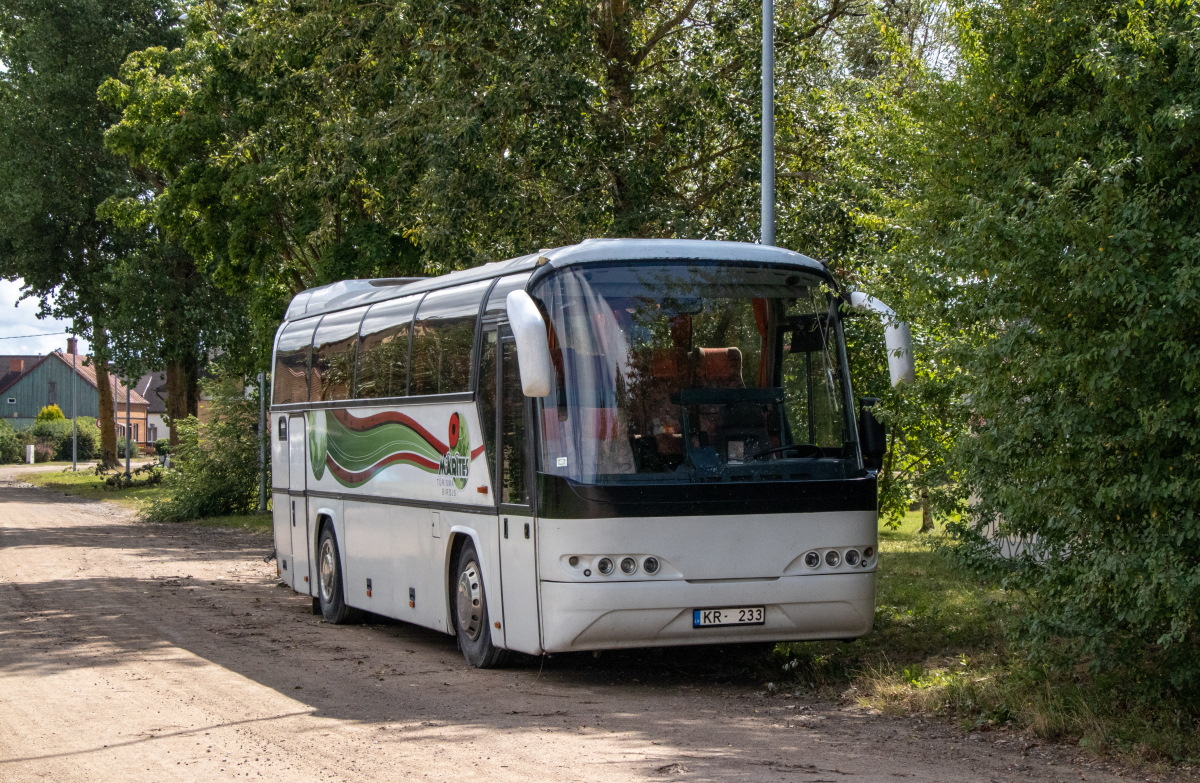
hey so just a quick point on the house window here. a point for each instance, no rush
(52, 394)
(136, 432)
(151, 433)
(12, 400)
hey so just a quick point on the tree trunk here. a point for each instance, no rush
(107, 417)
(182, 394)
(926, 513)
(614, 45)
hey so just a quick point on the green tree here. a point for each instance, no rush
(1058, 229)
(215, 466)
(56, 171)
(300, 144)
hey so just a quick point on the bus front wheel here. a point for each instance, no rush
(471, 613)
(330, 594)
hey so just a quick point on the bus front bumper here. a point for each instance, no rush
(601, 616)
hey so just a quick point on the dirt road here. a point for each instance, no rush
(135, 652)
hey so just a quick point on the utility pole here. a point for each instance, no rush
(74, 408)
(263, 434)
(768, 122)
(128, 432)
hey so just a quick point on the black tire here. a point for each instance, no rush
(472, 625)
(330, 593)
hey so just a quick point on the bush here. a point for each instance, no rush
(162, 447)
(124, 446)
(50, 413)
(52, 437)
(12, 448)
(215, 464)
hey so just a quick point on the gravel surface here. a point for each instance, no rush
(138, 652)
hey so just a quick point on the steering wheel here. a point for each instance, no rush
(811, 451)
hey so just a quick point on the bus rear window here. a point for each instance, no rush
(290, 378)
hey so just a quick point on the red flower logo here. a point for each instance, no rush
(454, 427)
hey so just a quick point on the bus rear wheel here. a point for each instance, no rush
(330, 593)
(471, 621)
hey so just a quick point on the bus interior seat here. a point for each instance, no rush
(737, 430)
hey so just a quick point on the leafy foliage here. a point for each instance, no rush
(1059, 231)
(214, 469)
(53, 438)
(12, 447)
(50, 413)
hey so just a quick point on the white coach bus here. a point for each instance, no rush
(622, 443)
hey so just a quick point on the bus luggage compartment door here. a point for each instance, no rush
(518, 578)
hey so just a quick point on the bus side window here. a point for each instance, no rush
(332, 374)
(444, 338)
(383, 349)
(514, 488)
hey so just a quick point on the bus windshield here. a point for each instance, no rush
(694, 371)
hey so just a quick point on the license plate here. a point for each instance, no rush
(732, 615)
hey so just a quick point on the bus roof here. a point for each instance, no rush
(351, 293)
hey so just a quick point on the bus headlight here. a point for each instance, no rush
(605, 565)
(628, 565)
(832, 558)
(650, 565)
(812, 559)
(852, 557)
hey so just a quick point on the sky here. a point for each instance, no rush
(17, 322)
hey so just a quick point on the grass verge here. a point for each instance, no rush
(939, 648)
(86, 484)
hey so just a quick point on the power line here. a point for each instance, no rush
(24, 336)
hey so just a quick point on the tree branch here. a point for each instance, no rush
(662, 31)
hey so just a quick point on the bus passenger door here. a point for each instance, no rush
(281, 502)
(518, 531)
(297, 472)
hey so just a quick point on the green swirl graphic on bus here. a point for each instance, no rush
(356, 449)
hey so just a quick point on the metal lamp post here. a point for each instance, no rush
(768, 122)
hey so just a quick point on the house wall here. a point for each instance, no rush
(49, 382)
(137, 421)
(157, 428)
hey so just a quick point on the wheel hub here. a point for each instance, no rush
(470, 601)
(328, 569)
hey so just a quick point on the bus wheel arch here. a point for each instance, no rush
(469, 616)
(330, 587)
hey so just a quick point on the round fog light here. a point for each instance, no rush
(650, 565)
(832, 559)
(812, 560)
(628, 565)
(851, 557)
(605, 566)
(868, 552)
(573, 560)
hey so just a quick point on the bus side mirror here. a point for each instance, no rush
(896, 336)
(872, 435)
(533, 346)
